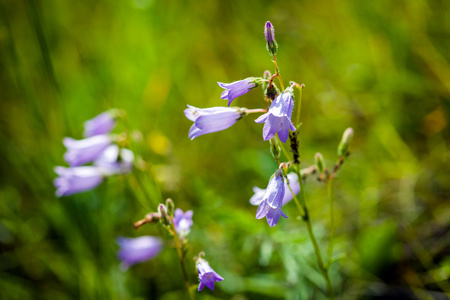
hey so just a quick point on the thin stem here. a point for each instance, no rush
(283, 148)
(278, 73)
(256, 110)
(299, 105)
(297, 203)
(331, 203)
(307, 219)
(181, 257)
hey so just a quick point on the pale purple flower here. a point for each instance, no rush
(237, 88)
(80, 152)
(206, 275)
(101, 124)
(110, 163)
(272, 200)
(183, 221)
(76, 180)
(269, 32)
(278, 118)
(257, 198)
(136, 250)
(213, 119)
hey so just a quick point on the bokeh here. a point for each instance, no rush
(380, 67)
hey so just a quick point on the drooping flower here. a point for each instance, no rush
(101, 124)
(238, 88)
(80, 152)
(213, 119)
(76, 180)
(269, 32)
(136, 250)
(272, 200)
(183, 221)
(206, 274)
(110, 162)
(278, 118)
(257, 198)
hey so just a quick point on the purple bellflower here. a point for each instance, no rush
(80, 152)
(206, 274)
(183, 221)
(110, 162)
(136, 250)
(238, 88)
(257, 198)
(278, 118)
(213, 119)
(272, 200)
(76, 180)
(101, 124)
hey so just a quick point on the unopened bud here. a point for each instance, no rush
(320, 162)
(162, 210)
(275, 147)
(267, 75)
(170, 207)
(269, 32)
(346, 139)
(150, 218)
(272, 91)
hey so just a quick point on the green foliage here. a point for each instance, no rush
(380, 67)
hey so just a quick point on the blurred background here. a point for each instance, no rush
(380, 67)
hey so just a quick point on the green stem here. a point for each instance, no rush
(307, 219)
(283, 148)
(299, 104)
(278, 73)
(181, 257)
(331, 203)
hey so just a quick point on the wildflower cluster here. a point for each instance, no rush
(99, 148)
(288, 180)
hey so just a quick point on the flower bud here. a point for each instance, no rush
(164, 216)
(267, 75)
(272, 45)
(272, 92)
(170, 207)
(346, 139)
(274, 147)
(320, 163)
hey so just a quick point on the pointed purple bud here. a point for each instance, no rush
(136, 250)
(183, 222)
(206, 274)
(84, 151)
(110, 162)
(238, 88)
(76, 180)
(207, 120)
(101, 124)
(278, 118)
(269, 32)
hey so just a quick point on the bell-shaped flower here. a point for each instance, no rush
(136, 250)
(110, 162)
(101, 124)
(278, 118)
(272, 200)
(238, 88)
(80, 152)
(183, 221)
(206, 274)
(76, 180)
(257, 198)
(213, 119)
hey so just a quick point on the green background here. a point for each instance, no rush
(380, 67)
